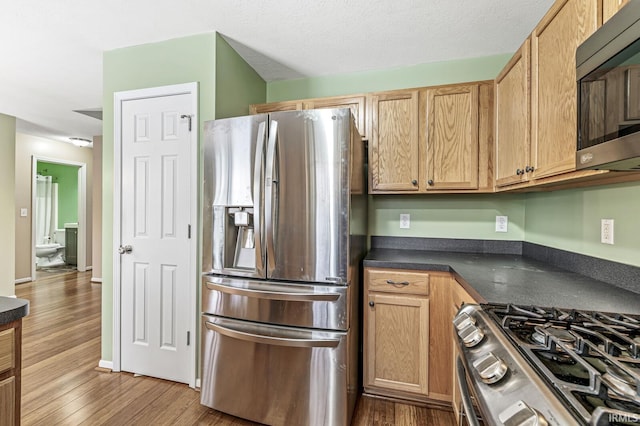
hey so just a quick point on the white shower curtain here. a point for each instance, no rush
(46, 209)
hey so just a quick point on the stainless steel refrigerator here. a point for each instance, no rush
(285, 213)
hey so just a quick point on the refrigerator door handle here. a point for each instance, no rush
(270, 184)
(257, 197)
(275, 295)
(272, 340)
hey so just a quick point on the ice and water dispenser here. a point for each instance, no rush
(234, 236)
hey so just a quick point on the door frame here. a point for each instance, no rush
(82, 209)
(119, 98)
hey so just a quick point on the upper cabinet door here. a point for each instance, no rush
(394, 141)
(355, 103)
(553, 85)
(452, 138)
(275, 107)
(611, 7)
(513, 113)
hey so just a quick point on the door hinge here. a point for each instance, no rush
(188, 338)
(189, 231)
(183, 116)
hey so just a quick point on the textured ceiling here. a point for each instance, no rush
(51, 51)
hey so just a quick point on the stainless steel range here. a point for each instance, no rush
(524, 365)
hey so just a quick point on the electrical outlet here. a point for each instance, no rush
(606, 231)
(405, 221)
(502, 223)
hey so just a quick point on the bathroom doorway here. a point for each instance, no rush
(58, 225)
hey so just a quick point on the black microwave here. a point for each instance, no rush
(608, 77)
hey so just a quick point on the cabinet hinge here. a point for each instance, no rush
(189, 231)
(188, 338)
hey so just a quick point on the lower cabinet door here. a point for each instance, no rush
(7, 402)
(275, 375)
(396, 344)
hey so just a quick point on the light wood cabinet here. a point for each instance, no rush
(513, 119)
(450, 147)
(553, 84)
(611, 7)
(394, 144)
(407, 330)
(436, 139)
(459, 296)
(356, 103)
(396, 333)
(275, 107)
(10, 365)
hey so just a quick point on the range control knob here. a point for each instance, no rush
(520, 414)
(471, 335)
(463, 320)
(490, 368)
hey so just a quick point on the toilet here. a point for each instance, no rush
(51, 254)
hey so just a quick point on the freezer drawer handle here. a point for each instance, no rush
(275, 295)
(270, 340)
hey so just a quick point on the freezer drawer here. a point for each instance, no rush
(276, 375)
(301, 305)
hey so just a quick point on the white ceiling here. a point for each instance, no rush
(51, 51)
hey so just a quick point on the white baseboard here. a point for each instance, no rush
(105, 364)
(197, 383)
(23, 280)
(96, 280)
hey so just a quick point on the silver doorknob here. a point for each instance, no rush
(125, 249)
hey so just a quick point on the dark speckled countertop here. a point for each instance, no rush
(508, 278)
(12, 309)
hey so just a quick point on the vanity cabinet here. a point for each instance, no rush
(10, 365)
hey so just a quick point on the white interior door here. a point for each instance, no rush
(156, 211)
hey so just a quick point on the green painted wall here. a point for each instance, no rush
(432, 74)
(67, 179)
(458, 216)
(7, 205)
(570, 220)
(237, 84)
(169, 62)
(448, 216)
(227, 85)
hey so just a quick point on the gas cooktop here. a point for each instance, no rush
(590, 360)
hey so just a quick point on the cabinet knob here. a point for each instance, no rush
(371, 303)
(519, 172)
(529, 169)
(414, 182)
(430, 182)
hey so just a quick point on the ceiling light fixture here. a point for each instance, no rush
(82, 142)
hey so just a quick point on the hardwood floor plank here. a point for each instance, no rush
(61, 386)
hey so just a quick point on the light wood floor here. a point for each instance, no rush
(61, 386)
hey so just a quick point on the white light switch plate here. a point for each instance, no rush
(405, 221)
(23, 212)
(502, 223)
